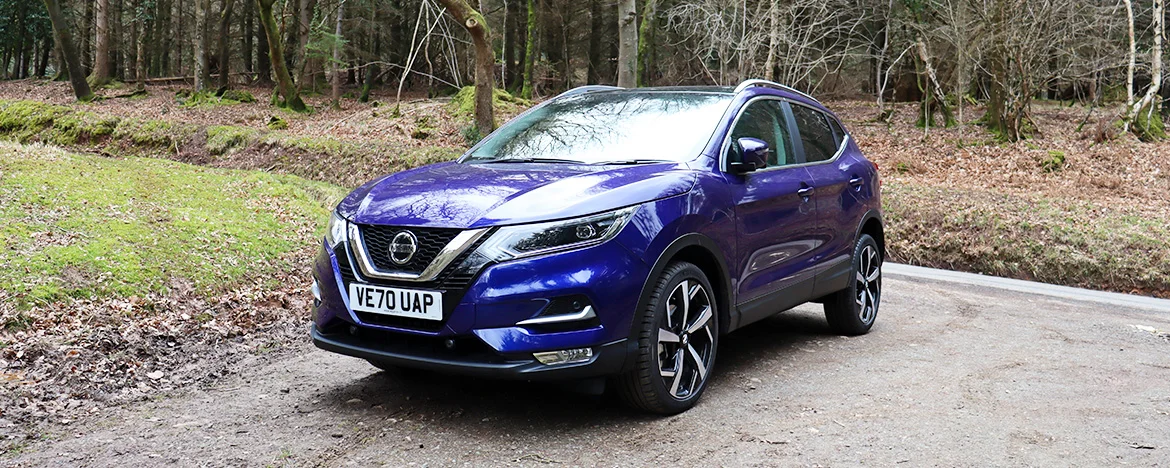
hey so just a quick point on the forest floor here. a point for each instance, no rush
(1063, 207)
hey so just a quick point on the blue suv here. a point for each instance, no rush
(608, 235)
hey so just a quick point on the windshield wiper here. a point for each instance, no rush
(630, 162)
(532, 160)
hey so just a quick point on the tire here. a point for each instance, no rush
(677, 342)
(853, 310)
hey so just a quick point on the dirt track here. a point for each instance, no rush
(950, 376)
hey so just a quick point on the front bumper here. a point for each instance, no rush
(607, 359)
(483, 320)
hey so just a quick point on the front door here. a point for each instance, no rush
(775, 217)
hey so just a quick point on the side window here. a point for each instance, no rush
(764, 119)
(815, 134)
(838, 132)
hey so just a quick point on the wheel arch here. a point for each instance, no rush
(702, 252)
(873, 225)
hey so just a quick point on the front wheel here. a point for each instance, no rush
(677, 338)
(853, 310)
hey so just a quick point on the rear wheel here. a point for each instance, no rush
(853, 310)
(677, 338)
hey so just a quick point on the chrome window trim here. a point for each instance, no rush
(727, 138)
(452, 250)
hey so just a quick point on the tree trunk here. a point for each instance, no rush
(61, 70)
(646, 41)
(43, 61)
(86, 38)
(101, 53)
(337, 57)
(72, 61)
(1144, 118)
(225, 29)
(248, 29)
(1129, 94)
(596, 28)
(263, 60)
(202, 74)
(529, 87)
(305, 27)
(288, 90)
(934, 99)
(485, 59)
(627, 43)
(774, 40)
(376, 39)
(140, 72)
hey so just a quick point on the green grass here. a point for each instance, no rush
(90, 227)
(224, 138)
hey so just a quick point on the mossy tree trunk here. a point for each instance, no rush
(528, 88)
(69, 51)
(485, 61)
(646, 42)
(284, 83)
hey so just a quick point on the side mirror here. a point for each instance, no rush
(753, 155)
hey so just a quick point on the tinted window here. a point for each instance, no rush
(764, 120)
(815, 134)
(610, 126)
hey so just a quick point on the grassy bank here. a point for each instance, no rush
(123, 277)
(1052, 240)
(91, 227)
(338, 161)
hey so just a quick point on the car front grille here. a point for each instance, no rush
(452, 284)
(430, 242)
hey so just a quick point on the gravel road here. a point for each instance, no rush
(950, 375)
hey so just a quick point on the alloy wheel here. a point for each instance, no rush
(686, 341)
(869, 284)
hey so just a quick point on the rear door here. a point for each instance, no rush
(775, 216)
(839, 178)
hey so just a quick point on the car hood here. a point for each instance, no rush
(465, 196)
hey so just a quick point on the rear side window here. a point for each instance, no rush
(764, 119)
(815, 133)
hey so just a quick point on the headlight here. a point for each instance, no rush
(512, 242)
(336, 232)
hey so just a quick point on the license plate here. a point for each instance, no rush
(412, 303)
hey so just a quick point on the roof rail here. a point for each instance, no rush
(771, 84)
(587, 89)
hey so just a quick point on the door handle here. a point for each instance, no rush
(856, 182)
(805, 192)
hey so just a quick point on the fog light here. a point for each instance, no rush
(564, 356)
(316, 289)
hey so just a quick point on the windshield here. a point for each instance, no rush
(609, 127)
